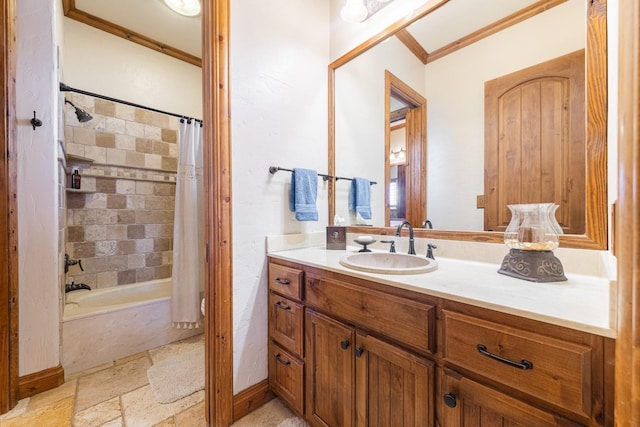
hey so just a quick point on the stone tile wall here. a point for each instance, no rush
(120, 223)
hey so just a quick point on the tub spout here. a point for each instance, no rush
(73, 286)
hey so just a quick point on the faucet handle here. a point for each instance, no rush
(392, 249)
(430, 248)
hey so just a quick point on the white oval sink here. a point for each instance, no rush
(388, 263)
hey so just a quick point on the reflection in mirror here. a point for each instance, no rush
(453, 82)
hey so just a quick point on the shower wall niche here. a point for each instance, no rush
(120, 222)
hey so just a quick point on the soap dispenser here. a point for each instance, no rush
(76, 179)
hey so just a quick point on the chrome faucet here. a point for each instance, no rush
(412, 249)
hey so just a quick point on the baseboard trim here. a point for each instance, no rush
(251, 399)
(40, 381)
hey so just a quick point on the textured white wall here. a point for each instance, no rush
(102, 63)
(37, 191)
(278, 66)
(359, 104)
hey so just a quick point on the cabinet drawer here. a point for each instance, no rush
(286, 377)
(404, 321)
(552, 370)
(285, 281)
(286, 319)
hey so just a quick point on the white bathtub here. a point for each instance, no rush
(103, 325)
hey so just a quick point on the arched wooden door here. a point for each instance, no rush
(535, 141)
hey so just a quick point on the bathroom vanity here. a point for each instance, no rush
(461, 345)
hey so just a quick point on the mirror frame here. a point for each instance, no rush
(596, 221)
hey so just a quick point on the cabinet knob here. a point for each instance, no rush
(359, 351)
(344, 344)
(450, 400)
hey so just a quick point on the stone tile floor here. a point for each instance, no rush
(118, 394)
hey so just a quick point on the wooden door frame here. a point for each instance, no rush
(627, 220)
(9, 221)
(416, 154)
(218, 227)
(218, 214)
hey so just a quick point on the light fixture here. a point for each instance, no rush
(398, 156)
(354, 11)
(184, 7)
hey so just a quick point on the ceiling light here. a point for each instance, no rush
(354, 11)
(184, 7)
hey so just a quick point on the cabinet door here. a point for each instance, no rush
(329, 371)
(467, 403)
(394, 388)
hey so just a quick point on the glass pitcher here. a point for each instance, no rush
(533, 227)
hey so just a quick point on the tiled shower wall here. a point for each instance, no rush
(120, 223)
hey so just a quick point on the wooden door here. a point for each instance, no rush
(468, 403)
(394, 388)
(329, 371)
(535, 142)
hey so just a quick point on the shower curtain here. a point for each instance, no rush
(188, 229)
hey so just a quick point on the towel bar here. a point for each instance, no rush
(274, 169)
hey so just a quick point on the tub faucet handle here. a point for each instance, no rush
(69, 262)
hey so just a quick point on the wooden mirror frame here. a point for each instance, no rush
(596, 221)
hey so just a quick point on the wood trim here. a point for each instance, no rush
(331, 148)
(38, 382)
(250, 399)
(218, 214)
(413, 45)
(513, 19)
(71, 11)
(427, 8)
(597, 112)
(596, 232)
(416, 154)
(9, 221)
(627, 360)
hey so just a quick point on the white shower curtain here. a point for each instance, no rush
(188, 229)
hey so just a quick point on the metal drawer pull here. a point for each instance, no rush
(284, 362)
(283, 281)
(524, 364)
(282, 306)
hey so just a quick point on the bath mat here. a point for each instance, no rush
(293, 422)
(177, 377)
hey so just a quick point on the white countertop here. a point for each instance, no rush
(585, 303)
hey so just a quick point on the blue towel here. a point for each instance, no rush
(304, 191)
(360, 197)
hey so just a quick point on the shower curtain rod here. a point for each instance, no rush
(65, 88)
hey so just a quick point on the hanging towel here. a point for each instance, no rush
(304, 191)
(360, 197)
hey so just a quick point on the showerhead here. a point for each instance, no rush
(82, 115)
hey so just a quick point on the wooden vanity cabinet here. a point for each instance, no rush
(377, 355)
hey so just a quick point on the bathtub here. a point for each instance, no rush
(103, 325)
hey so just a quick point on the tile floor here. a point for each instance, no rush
(118, 394)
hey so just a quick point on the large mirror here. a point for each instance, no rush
(445, 54)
